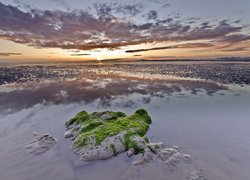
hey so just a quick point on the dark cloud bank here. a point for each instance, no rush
(104, 28)
(9, 54)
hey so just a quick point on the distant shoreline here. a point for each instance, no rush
(233, 60)
(198, 60)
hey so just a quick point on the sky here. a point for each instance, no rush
(83, 30)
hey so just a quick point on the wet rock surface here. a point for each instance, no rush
(42, 144)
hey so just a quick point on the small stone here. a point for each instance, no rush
(130, 152)
(152, 148)
(35, 133)
(106, 117)
(148, 156)
(68, 134)
(41, 145)
(176, 147)
(195, 175)
(172, 161)
(187, 156)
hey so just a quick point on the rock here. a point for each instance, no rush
(187, 157)
(108, 148)
(106, 117)
(156, 153)
(41, 145)
(175, 147)
(146, 158)
(130, 152)
(171, 156)
(68, 133)
(140, 141)
(196, 175)
(35, 133)
(154, 146)
(102, 135)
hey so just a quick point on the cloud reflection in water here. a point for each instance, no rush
(103, 91)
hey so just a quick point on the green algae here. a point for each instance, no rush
(131, 144)
(146, 139)
(98, 126)
(80, 117)
(112, 146)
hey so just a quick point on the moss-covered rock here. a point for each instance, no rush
(101, 135)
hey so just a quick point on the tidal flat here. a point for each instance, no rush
(203, 108)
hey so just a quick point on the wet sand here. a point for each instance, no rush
(208, 120)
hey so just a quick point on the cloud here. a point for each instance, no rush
(10, 54)
(85, 54)
(63, 4)
(106, 10)
(189, 45)
(110, 26)
(234, 38)
(236, 49)
(152, 15)
(132, 10)
(160, 57)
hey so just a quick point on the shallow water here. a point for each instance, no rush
(209, 121)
